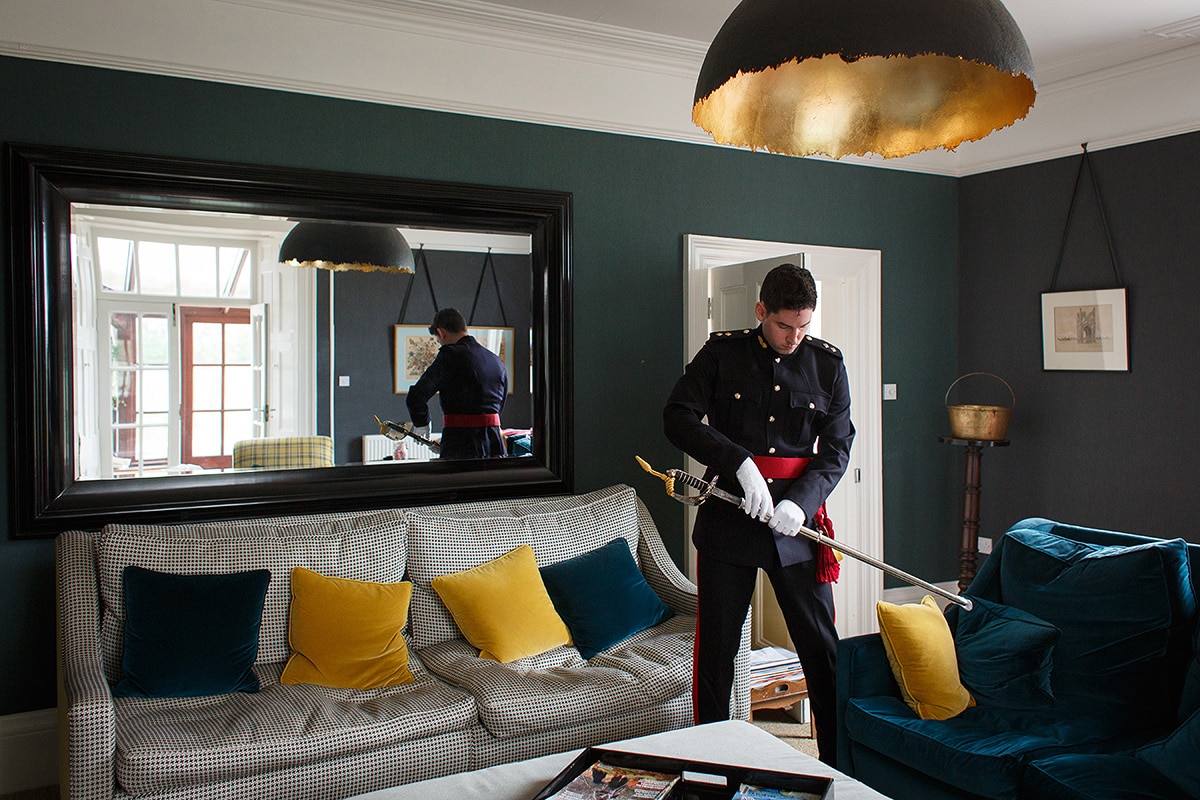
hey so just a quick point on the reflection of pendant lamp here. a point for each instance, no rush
(342, 246)
(851, 77)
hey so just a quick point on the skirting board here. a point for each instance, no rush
(28, 750)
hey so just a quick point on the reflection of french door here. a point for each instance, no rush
(217, 384)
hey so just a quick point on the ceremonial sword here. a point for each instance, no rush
(399, 430)
(709, 489)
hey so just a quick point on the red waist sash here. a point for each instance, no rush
(781, 468)
(471, 421)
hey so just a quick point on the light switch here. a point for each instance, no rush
(889, 391)
(343, 380)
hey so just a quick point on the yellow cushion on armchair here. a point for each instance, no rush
(920, 649)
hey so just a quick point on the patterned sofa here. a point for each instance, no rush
(461, 712)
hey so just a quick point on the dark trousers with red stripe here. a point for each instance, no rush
(725, 591)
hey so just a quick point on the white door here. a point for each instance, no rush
(260, 409)
(726, 273)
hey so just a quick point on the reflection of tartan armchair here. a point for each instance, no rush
(283, 452)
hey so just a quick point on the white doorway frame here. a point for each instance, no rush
(859, 273)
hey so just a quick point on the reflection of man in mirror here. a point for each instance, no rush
(472, 382)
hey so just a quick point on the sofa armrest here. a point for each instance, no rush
(671, 585)
(87, 721)
(862, 671)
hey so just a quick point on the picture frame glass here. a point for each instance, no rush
(1085, 330)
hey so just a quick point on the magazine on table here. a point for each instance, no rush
(604, 781)
(749, 791)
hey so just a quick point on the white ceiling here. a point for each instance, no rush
(1108, 73)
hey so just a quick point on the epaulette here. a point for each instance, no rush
(744, 333)
(823, 346)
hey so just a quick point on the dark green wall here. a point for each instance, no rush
(635, 199)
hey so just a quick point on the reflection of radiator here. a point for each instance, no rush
(377, 447)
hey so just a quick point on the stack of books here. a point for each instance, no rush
(771, 664)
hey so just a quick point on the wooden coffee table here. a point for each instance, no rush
(730, 742)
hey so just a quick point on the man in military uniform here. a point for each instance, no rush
(473, 384)
(778, 411)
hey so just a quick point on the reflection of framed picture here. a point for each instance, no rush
(415, 350)
(500, 342)
(1085, 330)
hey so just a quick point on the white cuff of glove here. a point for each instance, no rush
(788, 518)
(422, 431)
(756, 501)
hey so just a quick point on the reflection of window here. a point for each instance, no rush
(141, 393)
(146, 267)
(217, 384)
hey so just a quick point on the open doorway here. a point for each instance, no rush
(849, 316)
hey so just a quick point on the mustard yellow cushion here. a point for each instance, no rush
(502, 607)
(346, 634)
(920, 649)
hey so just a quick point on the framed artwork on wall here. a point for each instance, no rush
(416, 349)
(1085, 330)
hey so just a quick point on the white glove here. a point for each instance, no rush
(422, 431)
(787, 519)
(757, 497)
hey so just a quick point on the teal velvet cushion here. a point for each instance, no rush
(1178, 756)
(1004, 655)
(602, 597)
(1125, 613)
(1087, 776)
(190, 635)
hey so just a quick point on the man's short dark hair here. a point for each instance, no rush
(788, 287)
(448, 319)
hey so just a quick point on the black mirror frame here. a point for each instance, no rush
(44, 181)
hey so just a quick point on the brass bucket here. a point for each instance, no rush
(980, 423)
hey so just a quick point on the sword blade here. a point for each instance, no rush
(820, 538)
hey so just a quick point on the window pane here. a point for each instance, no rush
(237, 387)
(206, 433)
(122, 339)
(237, 427)
(116, 264)
(206, 388)
(198, 270)
(154, 444)
(156, 391)
(124, 396)
(237, 344)
(155, 344)
(235, 272)
(206, 343)
(156, 267)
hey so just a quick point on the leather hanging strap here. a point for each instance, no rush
(487, 262)
(419, 262)
(1062, 247)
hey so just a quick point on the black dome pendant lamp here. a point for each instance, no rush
(852, 77)
(342, 246)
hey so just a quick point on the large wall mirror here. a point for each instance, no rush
(154, 330)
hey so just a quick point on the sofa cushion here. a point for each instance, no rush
(985, 749)
(1004, 655)
(347, 634)
(1097, 777)
(190, 635)
(602, 597)
(920, 650)
(1178, 755)
(558, 689)
(461, 538)
(1120, 655)
(164, 746)
(368, 546)
(502, 607)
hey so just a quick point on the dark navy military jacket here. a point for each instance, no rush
(471, 380)
(759, 402)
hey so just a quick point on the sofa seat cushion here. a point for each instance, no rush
(558, 689)
(165, 744)
(1097, 777)
(984, 750)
